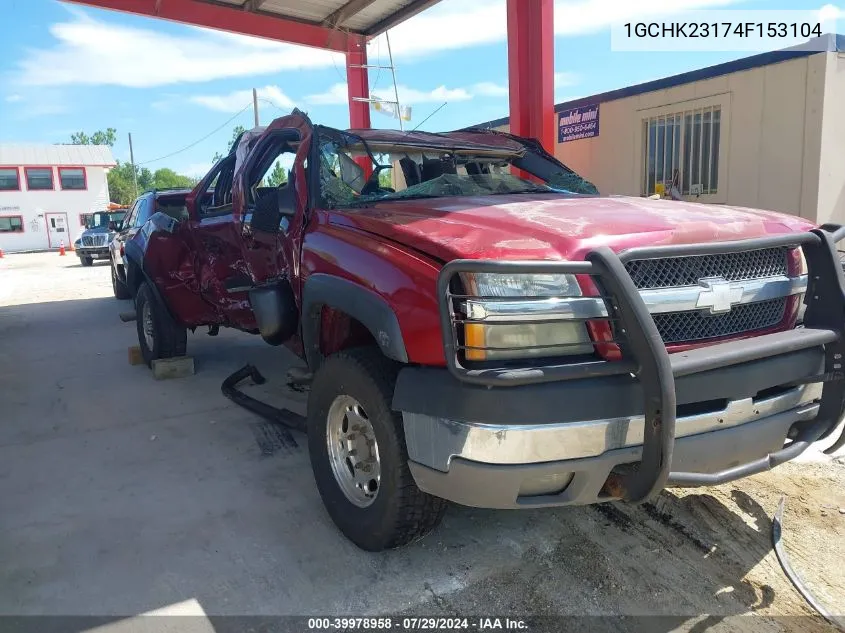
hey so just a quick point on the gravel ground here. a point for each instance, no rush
(122, 495)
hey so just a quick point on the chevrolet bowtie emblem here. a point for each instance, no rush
(718, 295)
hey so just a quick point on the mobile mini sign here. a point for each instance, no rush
(577, 123)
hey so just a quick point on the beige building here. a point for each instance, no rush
(766, 131)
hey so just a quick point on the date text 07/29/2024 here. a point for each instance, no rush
(417, 623)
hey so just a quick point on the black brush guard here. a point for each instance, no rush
(644, 354)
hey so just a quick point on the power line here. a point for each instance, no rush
(378, 62)
(274, 104)
(198, 141)
(430, 115)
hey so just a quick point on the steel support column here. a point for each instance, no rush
(531, 70)
(358, 83)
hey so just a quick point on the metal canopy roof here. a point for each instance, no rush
(334, 25)
(365, 17)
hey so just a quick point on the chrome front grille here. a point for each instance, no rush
(688, 327)
(699, 325)
(93, 240)
(669, 272)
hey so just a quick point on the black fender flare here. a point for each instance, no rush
(135, 259)
(360, 303)
(134, 263)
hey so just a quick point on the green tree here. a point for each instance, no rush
(145, 179)
(100, 137)
(166, 178)
(122, 184)
(277, 177)
(236, 132)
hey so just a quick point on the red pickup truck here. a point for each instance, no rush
(480, 326)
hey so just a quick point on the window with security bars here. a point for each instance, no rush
(682, 151)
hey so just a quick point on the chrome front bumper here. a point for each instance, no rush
(518, 466)
(435, 442)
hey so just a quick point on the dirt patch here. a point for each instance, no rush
(691, 552)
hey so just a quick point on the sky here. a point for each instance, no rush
(179, 90)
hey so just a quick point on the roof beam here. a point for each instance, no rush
(232, 18)
(408, 11)
(253, 5)
(341, 15)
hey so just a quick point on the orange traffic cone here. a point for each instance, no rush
(62, 247)
(1, 253)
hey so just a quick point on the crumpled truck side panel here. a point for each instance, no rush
(168, 261)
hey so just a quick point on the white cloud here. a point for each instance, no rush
(235, 101)
(564, 79)
(88, 51)
(490, 89)
(412, 96)
(14, 98)
(92, 52)
(579, 17)
(338, 94)
(460, 24)
(830, 12)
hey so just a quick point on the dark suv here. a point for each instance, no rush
(171, 202)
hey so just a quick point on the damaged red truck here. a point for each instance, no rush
(481, 327)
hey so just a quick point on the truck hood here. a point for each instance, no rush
(95, 230)
(543, 226)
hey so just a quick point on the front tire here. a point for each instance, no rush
(158, 334)
(358, 454)
(87, 261)
(121, 291)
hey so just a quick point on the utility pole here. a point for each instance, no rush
(132, 160)
(395, 88)
(255, 105)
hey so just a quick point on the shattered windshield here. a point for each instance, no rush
(354, 172)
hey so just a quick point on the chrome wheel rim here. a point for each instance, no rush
(353, 451)
(147, 326)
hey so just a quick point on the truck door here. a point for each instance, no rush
(271, 197)
(219, 265)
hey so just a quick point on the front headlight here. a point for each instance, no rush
(525, 316)
(498, 285)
